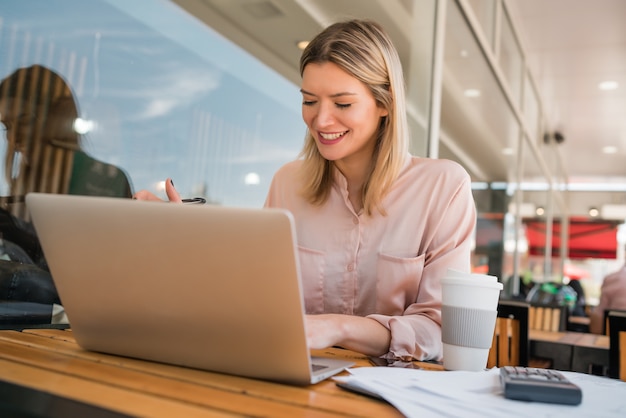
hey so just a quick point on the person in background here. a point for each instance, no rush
(377, 227)
(581, 301)
(43, 153)
(525, 285)
(612, 296)
(43, 150)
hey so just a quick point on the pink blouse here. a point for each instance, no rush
(385, 267)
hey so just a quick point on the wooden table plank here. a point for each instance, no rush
(149, 384)
(64, 334)
(594, 341)
(59, 343)
(554, 336)
(579, 320)
(99, 394)
(582, 339)
(324, 398)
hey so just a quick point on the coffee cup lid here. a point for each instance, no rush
(458, 277)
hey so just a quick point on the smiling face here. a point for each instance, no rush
(341, 114)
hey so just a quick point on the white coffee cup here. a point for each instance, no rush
(468, 318)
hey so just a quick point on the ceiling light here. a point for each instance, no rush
(609, 150)
(302, 44)
(472, 93)
(608, 85)
(540, 211)
(508, 151)
(594, 212)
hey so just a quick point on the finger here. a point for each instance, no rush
(172, 193)
(145, 195)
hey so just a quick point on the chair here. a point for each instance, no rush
(510, 346)
(617, 348)
(605, 324)
(548, 317)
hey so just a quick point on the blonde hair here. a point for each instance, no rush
(365, 51)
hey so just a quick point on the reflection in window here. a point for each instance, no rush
(164, 97)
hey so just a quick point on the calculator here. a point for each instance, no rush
(538, 385)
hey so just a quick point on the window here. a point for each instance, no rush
(160, 94)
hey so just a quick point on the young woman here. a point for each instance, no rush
(376, 227)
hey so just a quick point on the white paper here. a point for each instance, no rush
(424, 393)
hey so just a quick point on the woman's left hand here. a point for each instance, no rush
(356, 333)
(322, 331)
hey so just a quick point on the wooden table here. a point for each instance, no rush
(579, 320)
(46, 370)
(574, 351)
(578, 323)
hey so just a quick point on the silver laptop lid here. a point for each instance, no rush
(202, 286)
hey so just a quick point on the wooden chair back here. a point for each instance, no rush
(617, 348)
(549, 317)
(510, 346)
(606, 324)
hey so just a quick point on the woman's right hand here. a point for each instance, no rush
(170, 190)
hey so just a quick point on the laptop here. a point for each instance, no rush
(203, 286)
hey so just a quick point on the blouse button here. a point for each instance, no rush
(355, 220)
(350, 267)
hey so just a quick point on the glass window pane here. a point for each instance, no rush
(510, 59)
(163, 97)
(418, 73)
(478, 125)
(536, 193)
(531, 111)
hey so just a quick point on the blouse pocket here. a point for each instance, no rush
(312, 264)
(398, 282)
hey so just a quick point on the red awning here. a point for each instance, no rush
(587, 238)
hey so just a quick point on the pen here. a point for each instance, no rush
(195, 201)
